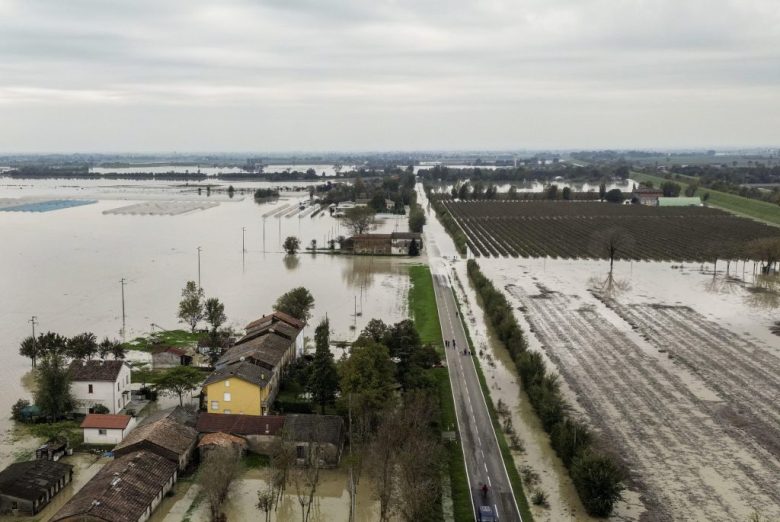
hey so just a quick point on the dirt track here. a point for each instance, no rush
(697, 436)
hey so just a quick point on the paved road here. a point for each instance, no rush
(478, 439)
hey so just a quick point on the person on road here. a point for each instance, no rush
(484, 491)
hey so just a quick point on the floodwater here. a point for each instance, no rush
(331, 501)
(541, 186)
(320, 169)
(65, 266)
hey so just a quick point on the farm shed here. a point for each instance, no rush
(169, 357)
(54, 449)
(397, 243)
(27, 487)
(106, 429)
(646, 196)
(326, 432)
(679, 202)
(125, 490)
(170, 434)
(212, 441)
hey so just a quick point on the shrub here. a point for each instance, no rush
(539, 498)
(16, 409)
(598, 482)
(100, 409)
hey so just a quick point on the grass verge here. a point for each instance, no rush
(425, 314)
(422, 302)
(165, 338)
(733, 203)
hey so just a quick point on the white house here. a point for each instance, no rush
(100, 382)
(106, 429)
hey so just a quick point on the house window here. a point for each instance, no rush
(101, 432)
(117, 386)
(300, 452)
(214, 405)
(90, 388)
(227, 383)
(228, 412)
(226, 398)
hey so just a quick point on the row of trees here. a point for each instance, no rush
(81, 346)
(597, 477)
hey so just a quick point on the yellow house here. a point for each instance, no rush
(246, 378)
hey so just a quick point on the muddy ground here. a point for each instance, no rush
(681, 381)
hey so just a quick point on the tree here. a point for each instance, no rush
(670, 189)
(602, 191)
(463, 191)
(53, 394)
(298, 303)
(368, 376)
(614, 196)
(266, 498)
(359, 219)
(191, 305)
(765, 251)
(51, 343)
(29, 348)
(214, 313)
(552, 192)
(512, 194)
(223, 465)
(177, 381)
(82, 346)
(611, 243)
(414, 248)
(17, 410)
(291, 245)
(323, 380)
(566, 193)
(416, 219)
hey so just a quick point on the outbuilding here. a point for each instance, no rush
(27, 487)
(106, 429)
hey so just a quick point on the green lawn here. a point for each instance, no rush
(425, 314)
(733, 203)
(422, 303)
(167, 338)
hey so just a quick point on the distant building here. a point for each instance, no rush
(396, 243)
(680, 202)
(128, 489)
(646, 196)
(106, 429)
(96, 381)
(246, 378)
(170, 433)
(27, 487)
(169, 357)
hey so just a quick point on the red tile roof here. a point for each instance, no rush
(109, 422)
(240, 424)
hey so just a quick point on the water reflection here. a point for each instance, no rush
(765, 291)
(291, 262)
(611, 286)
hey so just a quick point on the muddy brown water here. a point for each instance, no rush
(65, 266)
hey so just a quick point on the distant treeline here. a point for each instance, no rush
(526, 174)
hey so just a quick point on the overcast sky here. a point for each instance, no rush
(280, 75)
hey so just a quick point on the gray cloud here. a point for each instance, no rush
(387, 74)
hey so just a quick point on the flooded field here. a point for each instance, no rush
(675, 371)
(65, 267)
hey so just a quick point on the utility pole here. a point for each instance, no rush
(123, 283)
(199, 268)
(33, 321)
(263, 234)
(243, 240)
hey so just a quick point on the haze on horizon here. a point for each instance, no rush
(280, 75)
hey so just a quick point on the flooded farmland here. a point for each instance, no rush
(676, 372)
(65, 266)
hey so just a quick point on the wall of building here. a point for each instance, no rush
(245, 398)
(112, 436)
(109, 394)
(165, 360)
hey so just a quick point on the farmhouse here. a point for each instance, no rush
(98, 382)
(646, 196)
(125, 490)
(246, 378)
(106, 429)
(397, 243)
(169, 433)
(263, 433)
(169, 357)
(27, 487)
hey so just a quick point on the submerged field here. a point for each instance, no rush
(677, 373)
(572, 230)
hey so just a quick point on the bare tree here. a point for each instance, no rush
(306, 477)
(267, 497)
(359, 437)
(359, 219)
(383, 459)
(611, 243)
(222, 467)
(282, 460)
